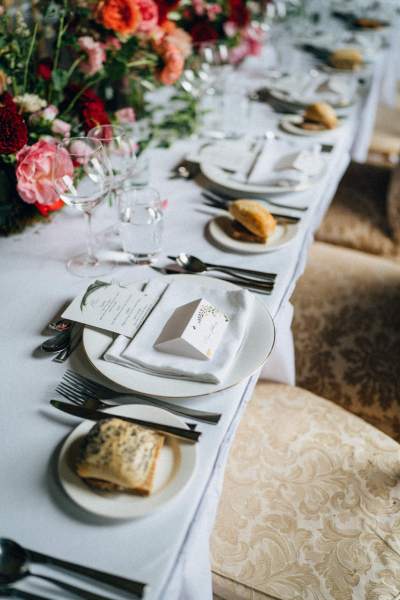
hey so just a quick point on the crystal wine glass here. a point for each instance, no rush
(83, 185)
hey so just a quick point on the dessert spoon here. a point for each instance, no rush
(14, 566)
(192, 264)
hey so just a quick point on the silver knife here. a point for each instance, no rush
(97, 415)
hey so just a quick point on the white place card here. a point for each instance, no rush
(194, 330)
(113, 307)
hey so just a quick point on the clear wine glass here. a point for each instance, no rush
(82, 177)
(120, 151)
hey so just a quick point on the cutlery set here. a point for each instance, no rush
(15, 563)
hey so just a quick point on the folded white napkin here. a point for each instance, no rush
(278, 162)
(141, 355)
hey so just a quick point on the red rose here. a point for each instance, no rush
(44, 69)
(44, 209)
(238, 12)
(164, 7)
(203, 31)
(94, 114)
(13, 131)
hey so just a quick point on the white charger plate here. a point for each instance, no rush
(253, 353)
(290, 123)
(225, 180)
(175, 468)
(283, 235)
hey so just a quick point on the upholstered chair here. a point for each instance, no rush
(360, 214)
(347, 333)
(310, 508)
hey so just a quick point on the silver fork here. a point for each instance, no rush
(83, 391)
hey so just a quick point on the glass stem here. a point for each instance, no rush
(89, 237)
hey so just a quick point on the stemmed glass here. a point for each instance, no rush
(83, 186)
(120, 152)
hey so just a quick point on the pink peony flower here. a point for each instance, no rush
(34, 172)
(96, 55)
(49, 113)
(60, 127)
(198, 7)
(149, 14)
(125, 115)
(112, 43)
(213, 10)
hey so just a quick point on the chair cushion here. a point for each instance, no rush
(357, 217)
(347, 333)
(393, 204)
(310, 504)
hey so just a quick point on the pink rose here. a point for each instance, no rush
(34, 172)
(149, 13)
(60, 127)
(96, 55)
(112, 43)
(80, 152)
(49, 113)
(181, 40)
(125, 115)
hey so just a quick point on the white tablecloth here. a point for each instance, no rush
(168, 549)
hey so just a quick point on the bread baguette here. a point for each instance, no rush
(254, 217)
(119, 456)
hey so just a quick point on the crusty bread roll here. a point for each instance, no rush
(346, 58)
(369, 23)
(254, 217)
(321, 114)
(119, 456)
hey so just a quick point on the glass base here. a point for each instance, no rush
(85, 266)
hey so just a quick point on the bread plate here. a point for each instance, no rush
(295, 101)
(254, 351)
(282, 236)
(175, 468)
(291, 124)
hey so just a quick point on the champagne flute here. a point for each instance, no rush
(84, 187)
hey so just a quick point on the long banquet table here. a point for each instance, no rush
(168, 549)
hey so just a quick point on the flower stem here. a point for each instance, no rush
(28, 59)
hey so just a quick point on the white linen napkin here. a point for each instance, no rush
(278, 162)
(140, 354)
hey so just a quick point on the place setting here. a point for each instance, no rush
(174, 337)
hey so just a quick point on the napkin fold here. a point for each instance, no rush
(139, 353)
(279, 162)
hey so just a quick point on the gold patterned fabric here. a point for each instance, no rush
(347, 333)
(357, 217)
(310, 508)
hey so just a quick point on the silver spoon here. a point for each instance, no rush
(14, 566)
(192, 264)
(26, 555)
(57, 342)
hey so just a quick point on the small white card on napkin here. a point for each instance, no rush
(113, 307)
(194, 330)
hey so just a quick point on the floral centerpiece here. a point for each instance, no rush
(65, 67)
(232, 22)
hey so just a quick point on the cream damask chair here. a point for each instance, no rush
(361, 213)
(310, 504)
(347, 333)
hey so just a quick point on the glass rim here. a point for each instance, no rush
(106, 139)
(62, 145)
(131, 186)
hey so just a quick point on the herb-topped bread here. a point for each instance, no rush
(253, 217)
(119, 456)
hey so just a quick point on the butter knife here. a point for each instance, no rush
(97, 415)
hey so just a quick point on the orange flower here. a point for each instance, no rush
(122, 16)
(173, 64)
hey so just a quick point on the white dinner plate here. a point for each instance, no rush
(290, 123)
(222, 179)
(282, 236)
(252, 354)
(175, 468)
